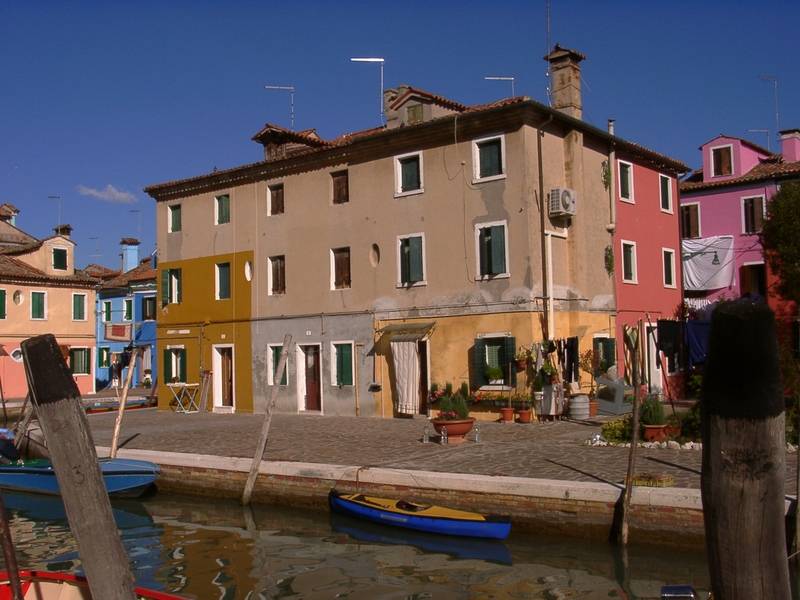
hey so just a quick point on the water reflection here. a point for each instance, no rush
(209, 549)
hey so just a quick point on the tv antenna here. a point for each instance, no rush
(764, 131)
(59, 207)
(285, 88)
(774, 81)
(547, 49)
(97, 253)
(379, 60)
(503, 78)
(138, 213)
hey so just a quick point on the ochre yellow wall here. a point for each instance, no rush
(200, 321)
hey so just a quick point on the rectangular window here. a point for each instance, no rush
(174, 218)
(277, 275)
(340, 259)
(104, 357)
(175, 365)
(753, 280)
(105, 315)
(487, 158)
(414, 114)
(625, 181)
(149, 308)
(127, 309)
(665, 184)
(752, 214)
(80, 361)
(629, 262)
(492, 356)
(606, 352)
(60, 259)
(341, 187)
(668, 260)
(223, 276)
(342, 363)
(690, 221)
(275, 358)
(491, 249)
(2, 304)
(721, 161)
(222, 209)
(38, 305)
(408, 173)
(78, 307)
(411, 259)
(275, 199)
(170, 286)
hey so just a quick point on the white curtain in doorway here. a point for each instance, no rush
(406, 368)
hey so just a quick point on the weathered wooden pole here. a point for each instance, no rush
(744, 456)
(9, 554)
(57, 400)
(262, 440)
(122, 402)
(632, 342)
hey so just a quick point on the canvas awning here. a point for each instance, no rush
(408, 332)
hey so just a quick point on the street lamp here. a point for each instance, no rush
(380, 61)
(502, 78)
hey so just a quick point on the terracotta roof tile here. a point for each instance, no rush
(766, 170)
(435, 98)
(8, 210)
(12, 268)
(100, 272)
(142, 272)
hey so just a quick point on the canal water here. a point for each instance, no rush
(216, 549)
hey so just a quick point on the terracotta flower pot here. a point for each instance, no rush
(507, 414)
(655, 433)
(522, 364)
(457, 429)
(593, 406)
(525, 415)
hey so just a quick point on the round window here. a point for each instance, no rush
(248, 270)
(375, 255)
(18, 297)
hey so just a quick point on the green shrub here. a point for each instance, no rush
(694, 385)
(453, 407)
(652, 411)
(617, 431)
(464, 390)
(690, 424)
(494, 373)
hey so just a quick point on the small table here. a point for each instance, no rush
(185, 397)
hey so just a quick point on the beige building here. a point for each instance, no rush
(426, 251)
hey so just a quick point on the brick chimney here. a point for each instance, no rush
(64, 229)
(130, 253)
(790, 145)
(565, 80)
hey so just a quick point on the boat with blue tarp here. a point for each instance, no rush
(420, 517)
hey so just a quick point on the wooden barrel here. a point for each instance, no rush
(579, 407)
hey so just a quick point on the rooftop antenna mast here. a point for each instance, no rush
(96, 247)
(285, 88)
(138, 214)
(765, 131)
(375, 59)
(59, 207)
(774, 81)
(547, 50)
(503, 78)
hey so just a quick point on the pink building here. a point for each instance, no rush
(723, 205)
(41, 292)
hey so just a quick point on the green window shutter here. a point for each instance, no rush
(498, 252)
(127, 312)
(178, 285)
(410, 174)
(478, 370)
(78, 308)
(276, 357)
(37, 305)
(490, 158)
(164, 287)
(2, 304)
(59, 259)
(224, 274)
(344, 364)
(405, 258)
(72, 361)
(168, 366)
(223, 209)
(182, 364)
(509, 351)
(175, 215)
(484, 245)
(415, 259)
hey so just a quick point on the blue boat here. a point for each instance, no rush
(420, 517)
(123, 477)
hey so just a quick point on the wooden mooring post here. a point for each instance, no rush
(121, 410)
(744, 456)
(54, 394)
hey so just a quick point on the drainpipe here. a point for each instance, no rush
(612, 224)
(546, 282)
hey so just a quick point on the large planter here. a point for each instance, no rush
(506, 414)
(654, 433)
(457, 429)
(525, 415)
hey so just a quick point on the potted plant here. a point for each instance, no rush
(589, 364)
(673, 428)
(454, 415)
(494, 375)
(524, 412)
(652, 419)
(522, 358)
(548, 372)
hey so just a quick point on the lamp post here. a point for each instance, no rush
(285, 88)
(380, 61)
(502, 78)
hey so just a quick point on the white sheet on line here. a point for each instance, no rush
(406, 369)
(699, 271)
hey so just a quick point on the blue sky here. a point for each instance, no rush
(102, 99)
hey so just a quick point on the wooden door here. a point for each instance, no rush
(423, 377)
(226, 364)
(312, 375)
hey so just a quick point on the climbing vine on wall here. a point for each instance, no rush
(605, 174)
(609, 260)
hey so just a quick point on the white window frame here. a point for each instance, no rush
(711, 159)
(173, 359)
(216, 209)
(72, 308)
(100, 350)
(269, 198)
(478, 227)
(216, 280)
(53, 261)
(173, 285)
(632, 199)
(669, 199)
(631, 243)
(124, 306)
(333, 269)
(103, 311)
(671, 252)
(398, 175)
(88, 362)
(699, 217)
(476, 162)
(271, 365)
(170, 208)
(44, 318)
(269, 274)
(424, 281)
(490, 387)
(763, 211)
(334, 359)
(155, 306)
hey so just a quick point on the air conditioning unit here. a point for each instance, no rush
(562, 202)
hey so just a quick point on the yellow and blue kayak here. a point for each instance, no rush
(421, 517)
